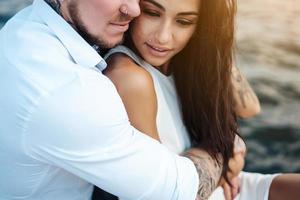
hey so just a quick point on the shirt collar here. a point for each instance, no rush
(79, 49)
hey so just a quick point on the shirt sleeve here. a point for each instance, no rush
(83, 128)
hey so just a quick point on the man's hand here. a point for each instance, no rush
(239, 146)
(208, 169)
(236, 164)
(231, 192)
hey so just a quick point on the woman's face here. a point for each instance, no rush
(164, 28)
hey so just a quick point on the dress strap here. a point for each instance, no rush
(125, 50)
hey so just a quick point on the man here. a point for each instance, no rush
(64, 127)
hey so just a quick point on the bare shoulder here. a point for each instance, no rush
(127, 75)
(136, 89)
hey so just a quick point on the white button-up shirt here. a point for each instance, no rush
(63, 126)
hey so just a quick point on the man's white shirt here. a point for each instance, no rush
(63, 125)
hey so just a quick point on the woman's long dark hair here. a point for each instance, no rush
(202, 72)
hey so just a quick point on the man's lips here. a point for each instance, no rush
(120, 26)
(120, 23)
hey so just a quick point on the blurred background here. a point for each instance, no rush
(268, 53)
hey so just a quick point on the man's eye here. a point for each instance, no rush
(151, 13)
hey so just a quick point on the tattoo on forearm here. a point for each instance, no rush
(55, 4)
(243, 89)
(209, 172)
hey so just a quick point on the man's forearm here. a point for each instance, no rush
(209, 171)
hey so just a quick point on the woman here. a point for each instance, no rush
(176, 83)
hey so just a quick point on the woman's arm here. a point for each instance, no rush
(246, 101)
(285, 186)
(136, 88)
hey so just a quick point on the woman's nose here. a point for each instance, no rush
(164, 33)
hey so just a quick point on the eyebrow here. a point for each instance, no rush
(156, 4)
(189, 13)
(162, 8)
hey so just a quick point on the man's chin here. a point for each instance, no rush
(108, 44)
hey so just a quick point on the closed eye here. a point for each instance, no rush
(185, 22)
(151, 13)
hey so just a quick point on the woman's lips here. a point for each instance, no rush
(158, 51)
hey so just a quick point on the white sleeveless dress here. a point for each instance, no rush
(173, 133)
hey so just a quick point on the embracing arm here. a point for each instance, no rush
(209, 172)
(246, 101)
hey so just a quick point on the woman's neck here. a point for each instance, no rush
(164, 69)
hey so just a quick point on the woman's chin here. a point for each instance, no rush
(155, 61)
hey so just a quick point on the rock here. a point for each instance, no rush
(273, 149)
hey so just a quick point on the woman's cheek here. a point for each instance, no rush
(184, 36)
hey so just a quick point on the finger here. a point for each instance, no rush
(221, 182)
(235, 187)
(234, 192)
(236, 164)
(239, 145)
(227, 192)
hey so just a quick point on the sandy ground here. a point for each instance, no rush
(268, 47)
(268, 31)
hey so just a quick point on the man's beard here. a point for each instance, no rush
(84, 33)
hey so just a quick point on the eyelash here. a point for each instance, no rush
(185, 22)
(155, 14)
(151, 13)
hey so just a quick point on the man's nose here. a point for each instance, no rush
(133, 8)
